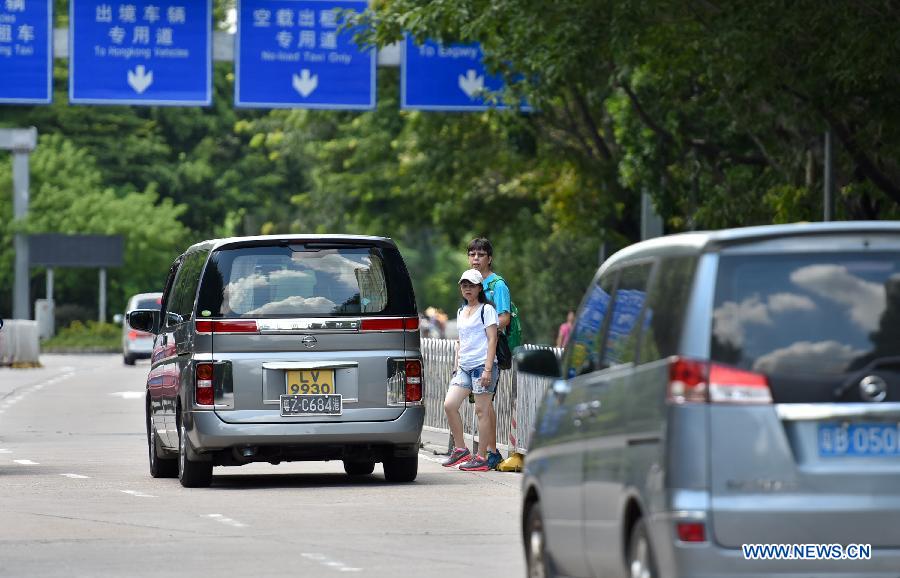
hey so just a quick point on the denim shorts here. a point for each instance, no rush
(469, 378)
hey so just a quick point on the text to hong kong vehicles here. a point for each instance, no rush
(285, 348)
(723, 389)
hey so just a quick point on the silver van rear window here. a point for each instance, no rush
(285, 281)
(814, 313)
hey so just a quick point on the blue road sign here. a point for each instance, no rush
(150, 52)
(437, 76)
(26, 51)
(294, 54)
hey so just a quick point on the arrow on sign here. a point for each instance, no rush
(304, 83)
(139, 79)
(471, 83)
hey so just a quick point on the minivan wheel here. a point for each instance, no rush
(401, 469)
(191, 474)
(128, 359)
(640, 554)
(536, 545)
(358, 468)
(159, 467)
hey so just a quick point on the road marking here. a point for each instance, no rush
(329, 563)
(5, 451)
(76, 476)
(137, 494)
(222, 519)
(26, 462)
(129, 394)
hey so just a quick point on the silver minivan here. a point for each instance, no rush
(728, 405)
(285, 348)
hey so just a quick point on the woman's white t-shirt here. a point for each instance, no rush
(473, 341)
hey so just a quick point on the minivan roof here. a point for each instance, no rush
(214, 244)
(703, 241)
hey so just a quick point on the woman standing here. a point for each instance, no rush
(476, 369)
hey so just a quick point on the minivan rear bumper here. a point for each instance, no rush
(207, 432)
(707, 560)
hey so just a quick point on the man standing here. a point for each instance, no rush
(481, 257)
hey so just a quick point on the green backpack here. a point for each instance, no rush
(514, 329)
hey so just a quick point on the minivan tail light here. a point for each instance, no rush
(393, 324)
(203, 390)
(733, 385)
(692, 381)
(413, 371)
(237, 326)
(691, 531)
(687, 381)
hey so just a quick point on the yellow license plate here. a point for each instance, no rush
(310, 381)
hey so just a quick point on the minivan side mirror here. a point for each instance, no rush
(144, 320)
(541, 362)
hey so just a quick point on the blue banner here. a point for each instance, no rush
(435, 76)
(295, 54)
(145, 52)
(26, 51)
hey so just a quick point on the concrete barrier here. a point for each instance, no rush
(19, 343)
(517, 401)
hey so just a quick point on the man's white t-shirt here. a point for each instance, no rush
(473, 341)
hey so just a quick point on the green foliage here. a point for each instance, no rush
(89, 336)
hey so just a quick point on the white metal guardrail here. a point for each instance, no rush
(19, 343)
(518, 396)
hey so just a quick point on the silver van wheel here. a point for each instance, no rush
(191, 474)
(640, 556)
(536, 545)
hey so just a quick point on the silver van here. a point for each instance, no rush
(728, 405)
(285, 348)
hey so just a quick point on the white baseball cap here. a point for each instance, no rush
(472, 276)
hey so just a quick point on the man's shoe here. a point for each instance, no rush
(457, 456)
(476, 464)
(493, 459)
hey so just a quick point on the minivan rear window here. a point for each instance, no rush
(813, 313)
(305, 280)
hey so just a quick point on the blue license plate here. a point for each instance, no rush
(859, 439)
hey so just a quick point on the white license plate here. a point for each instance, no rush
(323, 404)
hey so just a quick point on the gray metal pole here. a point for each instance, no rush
(50, 284)
(21, 142)
(21, 308)
(102, 315)
(828, 199)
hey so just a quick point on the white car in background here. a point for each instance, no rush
(138, 344)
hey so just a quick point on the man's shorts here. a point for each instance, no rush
(470, 378)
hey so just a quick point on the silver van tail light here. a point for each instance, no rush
(204, 393)
(692, 381)
(405, 382)
(390, 324)
(413, 381)
(206, 326)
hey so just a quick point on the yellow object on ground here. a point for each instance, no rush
(513, 463)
